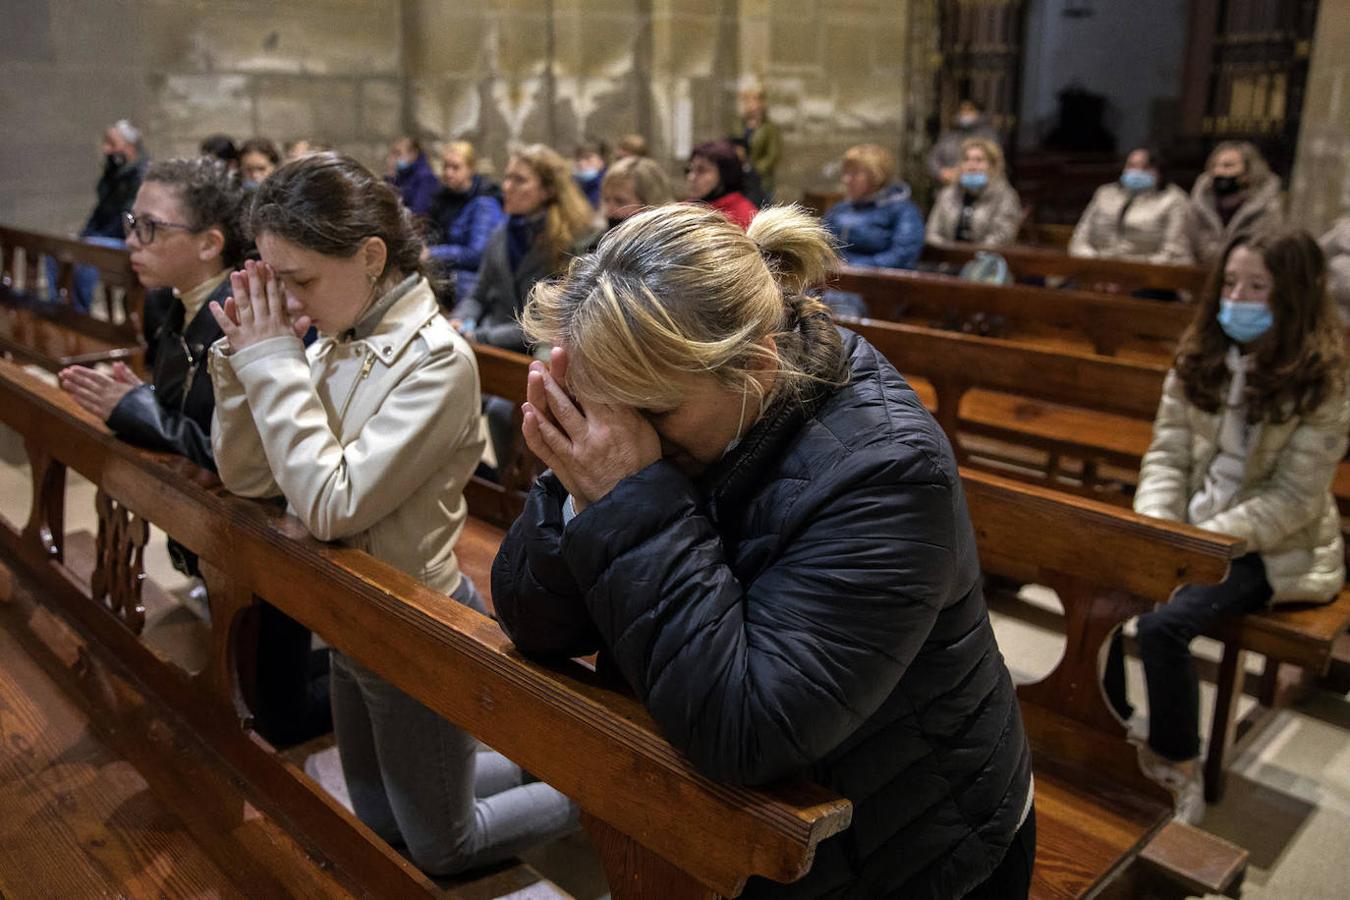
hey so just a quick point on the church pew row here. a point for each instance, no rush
(594, 744)
(599, 746)
(1095, 812)
(1095, 409)
(54, 334)
(1104, 324)
(1040, 263)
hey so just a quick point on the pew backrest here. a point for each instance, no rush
(1108, 322)
(1027, 262)
(119, 290)
(594, 744)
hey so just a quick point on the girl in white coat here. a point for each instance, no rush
(370, 435)
(1251, 428)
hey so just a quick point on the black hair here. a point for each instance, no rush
(730, 172)
(261, 145)
(220, 146)
(212, 197)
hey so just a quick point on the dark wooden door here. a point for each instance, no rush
(981, 58)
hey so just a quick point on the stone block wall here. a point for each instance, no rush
(1319, 189)
(356, 73)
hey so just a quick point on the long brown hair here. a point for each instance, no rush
(1299, 362)
(569, 216)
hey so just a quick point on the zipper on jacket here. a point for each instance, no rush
(365, 370)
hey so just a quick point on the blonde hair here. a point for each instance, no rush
(992, 151)
(1257, 170)
(464, 150)
(649, 181)
(679, 291)
(569, 214)
(634, 144)
(875, 160)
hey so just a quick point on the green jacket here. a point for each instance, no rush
(766, 145)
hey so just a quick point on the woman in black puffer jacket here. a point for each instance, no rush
(755, 520)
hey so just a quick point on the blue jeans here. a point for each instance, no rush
(1165, 636)
(421, 782)
(86, 277)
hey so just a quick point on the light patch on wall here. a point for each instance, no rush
(515, 100)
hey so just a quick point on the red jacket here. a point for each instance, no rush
(736, 207)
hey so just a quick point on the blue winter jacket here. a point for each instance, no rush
(462, 225)
(417, 185)
(884, 230)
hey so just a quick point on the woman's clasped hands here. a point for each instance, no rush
(256, 310)
(590, 450)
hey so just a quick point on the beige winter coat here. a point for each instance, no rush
(1285, 509)
(1153, 229)
(370, 440)
(997, 217)
(1336, 245)
(1205, 231)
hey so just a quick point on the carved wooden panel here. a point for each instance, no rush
(981, 51)
(119, 568)
(46, 519)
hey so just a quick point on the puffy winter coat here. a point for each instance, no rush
(462, 224)
(1285, 509)
(1336, 245)
(1151, 229)
(996, 216)
(810, 607)
(883, 230)
(1206, 231)
(417, 185)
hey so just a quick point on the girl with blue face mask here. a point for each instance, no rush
(979, 207)
(1250, 431)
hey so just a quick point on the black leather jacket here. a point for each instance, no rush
(811, 606)
(172, 411)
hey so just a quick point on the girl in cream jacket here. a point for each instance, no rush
(1252, 425)
(371, 435)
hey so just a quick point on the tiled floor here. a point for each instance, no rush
(1289, 796)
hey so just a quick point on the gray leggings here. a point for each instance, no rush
(418, 781)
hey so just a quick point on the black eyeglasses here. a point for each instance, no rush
(144, 227)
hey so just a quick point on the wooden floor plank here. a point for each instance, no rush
(79, 821)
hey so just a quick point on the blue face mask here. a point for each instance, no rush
(974, 181)
(403, 165)
(1137, 180)
(1244, 322)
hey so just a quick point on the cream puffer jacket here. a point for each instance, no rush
(1153, 228)
(1207, 234)
(370, 440)
(996, 218)
(1285, 509)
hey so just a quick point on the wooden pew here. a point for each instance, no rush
(660, 827)
(1091, 322)
(56, 335)
(1027, 262)
(1098, 410)
(1095, 810)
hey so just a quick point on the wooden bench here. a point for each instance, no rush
(1099, 410)
(1095, 810)
(1115, 275)
(54, 335)
(1089, 322)
(660, 827)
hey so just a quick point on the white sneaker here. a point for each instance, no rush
(196, 600)
(1183, 780)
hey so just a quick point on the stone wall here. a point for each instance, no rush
(356, 73)
(1319, 190)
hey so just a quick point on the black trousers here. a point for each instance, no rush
(1012, 879)
(1165, 636)
(292, 681)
